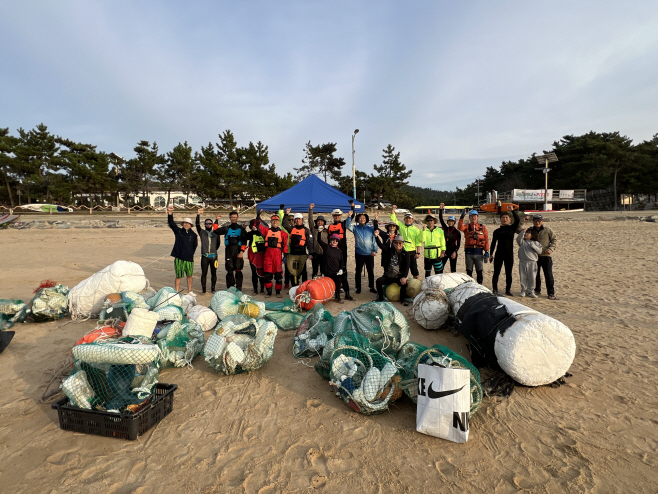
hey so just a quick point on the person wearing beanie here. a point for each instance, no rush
(185, 246)
(503, 239)
(209, 246)
(397, 269)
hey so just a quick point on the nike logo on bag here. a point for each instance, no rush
(431, 394)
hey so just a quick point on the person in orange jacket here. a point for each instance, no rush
(476, 244)
(276, 244)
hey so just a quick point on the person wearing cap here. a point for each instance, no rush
(334, 262)
(453, 239)
(209, 246)
(185, 246)
(413, 240)
(434, 246)
(235, 244)
(503, 238)
(391, 230)
(548, 241)
(317, 227)
(397, 269)
(365, 249)
(276, 244)
(476, 244)
(300, 241)
(256, 256)
(339, 227)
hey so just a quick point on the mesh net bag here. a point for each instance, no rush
(189, 301)
(287, 305)
(11, 312)
(363, 377)
(165, 296)
(285, 320)
(446, 281)
(240, 344)
(49, 304)
(180, 343)
(112, 375)
(383, 325)
(232, 301)
(117, 311)
(431, 308)
(134, 299)
(170, 313)
(412, 354)
(313, 332)
(343, 322)
(204, 316)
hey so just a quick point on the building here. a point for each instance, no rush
(533, 199)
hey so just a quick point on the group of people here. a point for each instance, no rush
(286, 244)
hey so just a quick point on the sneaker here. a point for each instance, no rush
(372, 290)
(348, 297)
(522, 294)
(532, 295)
(191, 293)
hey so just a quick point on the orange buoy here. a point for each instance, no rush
(311, 292)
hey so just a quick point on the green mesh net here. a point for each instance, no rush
(134, 300)
(364, 378)
(180, 343)
(49, 304)
(116, 311)
(165, 296)
(383, 325)
(171, 313)
(240, 344)
(285, 320)
(113, 375)
(313, 333)
(11, 312)
(286, 304)
(230, 302)
(412, 354)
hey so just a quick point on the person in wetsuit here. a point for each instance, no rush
(235, 242)
(502, 250)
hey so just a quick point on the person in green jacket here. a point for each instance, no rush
(413, 239)
(434, 246)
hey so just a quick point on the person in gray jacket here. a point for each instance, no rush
(548, 241)
(209, 246)
(529, 250)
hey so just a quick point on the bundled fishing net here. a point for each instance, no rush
(180, 343)
(342, 323)
(232, 301)
(170, 313)
(240, 344)
(363, 377)
(87, 297)
(446, 281)
(286, 304)
(112, 375)
(206, 318)
(313, 332)
(165, 296)
(11, 312)
(49, 304)
(431, 308)
(383, 325)
(412, 354)
(285, 320)
(134, 300)
(189, 301)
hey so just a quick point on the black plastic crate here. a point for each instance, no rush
(121, 425)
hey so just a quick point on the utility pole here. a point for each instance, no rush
(546, 159)
(356, 131)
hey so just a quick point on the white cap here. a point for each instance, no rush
(299, 216)
(188, 220)
(336, 211)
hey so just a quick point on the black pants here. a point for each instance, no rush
(287, 275)
(234, 265)
(338, 280)
(255, 279)
(345, 284)
(369, 263)
(438, 265)
(545, 263)
(208, 262)
(413, 263)
(499, 260)
(317, 264)
(453, 262)
(385, 280)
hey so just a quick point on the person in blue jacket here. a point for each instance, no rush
(365, 247)
(235, 242)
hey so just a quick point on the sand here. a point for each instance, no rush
(281, 429)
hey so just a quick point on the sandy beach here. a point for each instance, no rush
(281, 429)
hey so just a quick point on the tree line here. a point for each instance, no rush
(590, 161)
(44, 167)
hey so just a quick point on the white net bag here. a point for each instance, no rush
(431, 308)
(204, 316)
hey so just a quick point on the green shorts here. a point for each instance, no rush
(183, 268)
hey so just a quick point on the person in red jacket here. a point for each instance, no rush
(276, 244)
(476, 244)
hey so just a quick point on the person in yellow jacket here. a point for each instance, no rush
(413, 239)
(434, 246)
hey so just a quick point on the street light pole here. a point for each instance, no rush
(356, 131)
(546, 158)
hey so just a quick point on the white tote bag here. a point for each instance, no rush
(444, 402)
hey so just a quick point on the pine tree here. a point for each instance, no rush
(320, 159)
(8, 161)
(390, 177)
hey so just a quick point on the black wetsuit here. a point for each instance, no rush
(502, 248)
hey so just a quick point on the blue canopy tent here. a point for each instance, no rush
(311, 190)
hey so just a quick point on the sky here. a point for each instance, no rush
(454, 86)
